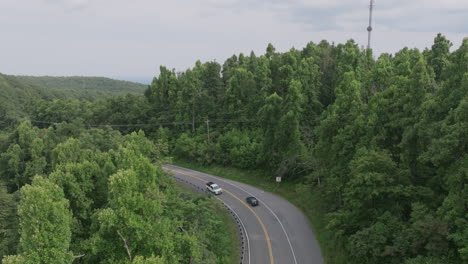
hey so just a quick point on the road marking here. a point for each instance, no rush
(270, 251)
(282, 227)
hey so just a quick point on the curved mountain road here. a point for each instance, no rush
(276, 231)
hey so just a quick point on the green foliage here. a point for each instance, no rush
(240, 92)
(24, 157)
(150, 260)
(128, 109)
(27, 96)
(9, 235)
(438, 55)
(65, 110)
(88, 88)
(185, 146)
(17, 98)
(45, 221)
(238, 148)
(103, 199)
(269, 113)
(13, 259)
(79, 182)
(381, 142)
(131, 221)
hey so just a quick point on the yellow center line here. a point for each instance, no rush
(270, 251)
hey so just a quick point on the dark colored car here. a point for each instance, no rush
(252, 201)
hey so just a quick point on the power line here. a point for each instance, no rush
(151, 124)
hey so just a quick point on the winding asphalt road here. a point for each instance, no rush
(276, 231)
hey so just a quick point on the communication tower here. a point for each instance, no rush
(369, 28)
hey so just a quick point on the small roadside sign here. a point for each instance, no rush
(278, 179)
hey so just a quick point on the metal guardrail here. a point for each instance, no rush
(242, 232)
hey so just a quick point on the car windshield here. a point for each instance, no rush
(215, 187)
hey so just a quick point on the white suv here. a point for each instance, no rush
(214, 188)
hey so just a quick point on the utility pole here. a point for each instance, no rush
(208, 128)
(369, 28)
(193, 118)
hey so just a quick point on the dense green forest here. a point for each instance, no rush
(20, 95)
(17, 98)
(89, 88)
(72, 194)
(383, 140)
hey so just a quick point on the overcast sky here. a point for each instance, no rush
(129, 39)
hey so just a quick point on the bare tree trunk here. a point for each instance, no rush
(78, 256)
(126, 246)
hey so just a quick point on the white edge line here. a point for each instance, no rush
(240, 188)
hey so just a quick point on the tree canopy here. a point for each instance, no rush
(383, 141)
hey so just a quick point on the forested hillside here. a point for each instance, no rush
(383, 141)
(21, 96)
(71, 194)
(17, 98)
(88, 88)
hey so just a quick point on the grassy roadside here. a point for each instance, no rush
(308, 202)
(232, 231)
(234, 238)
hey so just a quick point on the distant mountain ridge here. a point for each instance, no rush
(82, 87)
(16, 97)
(18, 94)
